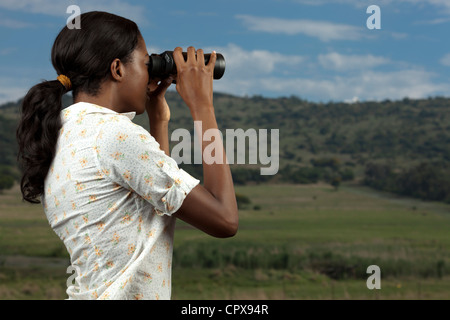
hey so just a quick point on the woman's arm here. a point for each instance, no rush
(159, 113)
(212, 207)
(160, 131)
(159, 124)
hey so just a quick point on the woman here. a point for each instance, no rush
(109, 188)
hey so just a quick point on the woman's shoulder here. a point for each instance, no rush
(119, 131)
(114, 123)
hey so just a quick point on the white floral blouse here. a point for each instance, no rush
(109, 195)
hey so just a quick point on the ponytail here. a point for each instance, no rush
(37, 135)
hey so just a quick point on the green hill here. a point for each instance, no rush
(377, 143)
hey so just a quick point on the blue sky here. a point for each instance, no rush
(319, 50)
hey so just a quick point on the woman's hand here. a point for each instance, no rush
(156, 106)
(194, 78)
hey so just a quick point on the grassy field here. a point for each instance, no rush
(294, 242)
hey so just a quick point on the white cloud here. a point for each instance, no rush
(152, 49)
(441, 4)
(15, 81)
(13, 24)
(324, 2)
(10, 92)
(8, 51)
(340, 62)
(245, 68)
(251, 72)
(323, 30)
(58, 8)
(445, 60)
(369, 85)
(256, 61)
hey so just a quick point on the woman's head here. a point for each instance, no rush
(102, 52)
(85, 55)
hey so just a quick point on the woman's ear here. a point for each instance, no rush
(117, 70)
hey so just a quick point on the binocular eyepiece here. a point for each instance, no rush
(163, 65)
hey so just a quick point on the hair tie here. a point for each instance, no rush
(65, 81)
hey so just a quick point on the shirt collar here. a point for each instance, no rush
(83, 108)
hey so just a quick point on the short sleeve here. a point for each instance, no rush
(129, 156)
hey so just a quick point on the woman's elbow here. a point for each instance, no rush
(230, 225)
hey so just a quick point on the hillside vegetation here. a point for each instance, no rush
(398, 146)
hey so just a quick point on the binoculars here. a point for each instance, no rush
(163, 65)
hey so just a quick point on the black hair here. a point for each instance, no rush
(83, 55)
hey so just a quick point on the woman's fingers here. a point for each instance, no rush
(158, 87)
(191, 55)
(200, 57)
(196, 57)
(212, 60)
(178, 58)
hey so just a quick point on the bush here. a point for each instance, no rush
(305, 175)
(347, 174)
(332, 163)
(242, 200)
(336, 182)
(427, 181)
(6, 182)
(286, 257)
(242, 176)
